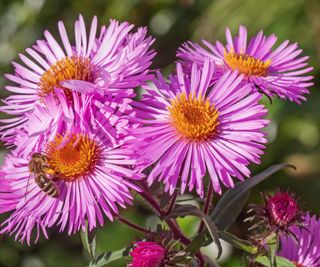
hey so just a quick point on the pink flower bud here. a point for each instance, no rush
(147, 254)
(282, 208)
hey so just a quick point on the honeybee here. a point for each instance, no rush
(38, 165)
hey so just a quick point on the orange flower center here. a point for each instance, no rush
(194, 118)
(72, 157)
(246, 64)
(68, 68)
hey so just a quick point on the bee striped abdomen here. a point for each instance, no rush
(39, 167)
(47, 186)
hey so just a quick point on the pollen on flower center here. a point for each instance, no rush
(246, 64)
(73, 156)
(194, 118)
(68, 68)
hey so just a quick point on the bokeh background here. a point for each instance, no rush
(293, 134)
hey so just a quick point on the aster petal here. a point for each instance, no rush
(55, 47)
(64, 39)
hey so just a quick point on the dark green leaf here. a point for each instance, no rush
(108, 257)
(281, 262)
(197, 242)
(237, 242)
(232, 202)
(186, 210)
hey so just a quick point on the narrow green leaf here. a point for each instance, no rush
(108, 257)
(232, 202)
(273, 244)
(281, 262)
(197, 242)
(89, 242)
(237, 242)
(190, 210)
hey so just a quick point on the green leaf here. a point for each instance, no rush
(89, 242)
(273, 244)
(237, 242)
(197, 242)
(281, 262)
(108, 257)
(232, 202)
(190, 210)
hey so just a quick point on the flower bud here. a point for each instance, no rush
(147, 254)
(278, 213)
(159, 249)
(282, 208)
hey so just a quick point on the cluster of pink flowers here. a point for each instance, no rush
(72, 107)
(81, 141)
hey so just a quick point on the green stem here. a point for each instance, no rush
(133, 225)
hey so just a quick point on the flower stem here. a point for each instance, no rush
(170, 222)
(153, 203)
(207, 204)
(172, 202)
(133, 225)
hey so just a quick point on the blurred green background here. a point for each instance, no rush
(293, 134)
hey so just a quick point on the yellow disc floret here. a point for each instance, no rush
(246, 64)
(195, 118)
(69, 68)
(72, 157)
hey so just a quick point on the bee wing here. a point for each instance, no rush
(28, 182)
(31, 176)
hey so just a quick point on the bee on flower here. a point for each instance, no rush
(65, 175)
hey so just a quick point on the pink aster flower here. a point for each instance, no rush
(117, 58)
(57, 114)
(147, 254)
(304, 250)
(191, 128)
(65, 175)
(281, 71)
